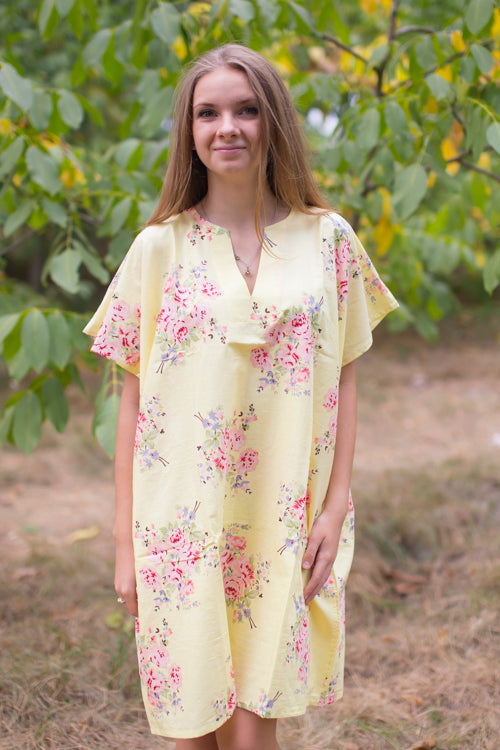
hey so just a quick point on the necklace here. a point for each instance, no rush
(238, 258)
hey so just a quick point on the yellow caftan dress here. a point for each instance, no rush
(233, 453)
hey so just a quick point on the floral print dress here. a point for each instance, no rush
(233, 452)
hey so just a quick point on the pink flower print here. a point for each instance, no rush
(223, 461)
(231, 701)
(247, 461)
(167, 315)
(236, 542)
(304, 350)
(226, 558)
(132, 358)
(154, 681)
(120, 310)
(173, 572)
(243, 570)
(183, 295)
(303, 375)
(330, 400)
(200, 313)
(187, 589)
(237, 438)
(210, 289)
(159, 657)
(302, 674)
(150, 577)
(180, 330)
(178, 539)
(175, 677)
(300, 325)
(234, 587)
(158, 554)
(275, 333)
(129, 336)
(288, 357)
(261, 359)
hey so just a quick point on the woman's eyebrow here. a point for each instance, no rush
(239, 103)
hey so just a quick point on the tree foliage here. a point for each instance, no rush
(400, 102)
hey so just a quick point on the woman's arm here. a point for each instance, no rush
(325, 533)
(125, 584)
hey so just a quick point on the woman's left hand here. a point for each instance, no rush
(321, 550)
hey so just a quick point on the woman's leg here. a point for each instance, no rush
(247, 731)
(207, 742)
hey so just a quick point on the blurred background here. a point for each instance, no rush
(400, 102)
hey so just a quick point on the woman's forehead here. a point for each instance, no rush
(222, 83)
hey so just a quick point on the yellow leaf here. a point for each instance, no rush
(457, 40)
(16, 180)
(198, 9)
(481, 258)
(179, 47)
(68, 178)
(495, 29)
(431, 105)
(6, 126)
(431, 179)
(369, 6)
(284, 62)
(81, 535)
(484, 161)
(448, 149)
(383, 234)
(445, 72)
(457, 133)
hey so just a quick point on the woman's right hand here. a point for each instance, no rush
(125, 583)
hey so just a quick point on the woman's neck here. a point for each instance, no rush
(228, 205)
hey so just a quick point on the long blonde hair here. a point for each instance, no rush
(284, 162)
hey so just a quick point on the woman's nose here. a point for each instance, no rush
(227, 124)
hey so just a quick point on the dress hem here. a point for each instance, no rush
(194, 734)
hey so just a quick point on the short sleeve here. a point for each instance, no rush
(117, 321)
(363, 299)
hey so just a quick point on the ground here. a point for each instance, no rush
(422, 667)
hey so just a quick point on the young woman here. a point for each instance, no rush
(237, 314)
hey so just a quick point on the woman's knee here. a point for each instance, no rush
(246, 731)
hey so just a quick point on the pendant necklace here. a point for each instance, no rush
(267, 240)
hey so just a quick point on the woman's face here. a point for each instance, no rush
(226, 125)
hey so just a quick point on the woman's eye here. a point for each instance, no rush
(251, 110)
(204, 113)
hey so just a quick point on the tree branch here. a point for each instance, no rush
(413, 30)
(475, 168)
(380, 69)
(341, 45)
(17, 243)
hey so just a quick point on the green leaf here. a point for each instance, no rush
(379, 54)
(55, 403)
(96, 48)
(41, 110)
(299, 11)
(491, 272)
(16, 87)
(483, 57)
(119, 214)
(63, 269)
(126, 150)
(409, 188)
(396, 119)
(7, 323)
(64, 6)
(94, 265)
(76, 21)
(60, 341)
(105, 423)
(478, 14)
(27, 422)
(440, 88)
(35, 339)
(18, 218)
(43, 170)
(5, 423)
(367, 130)
(425, 54)
(55, 212)
(165, 22)
(11, 156)
(156, 111)
(47, 18)
(70, 109)
(493, 136)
